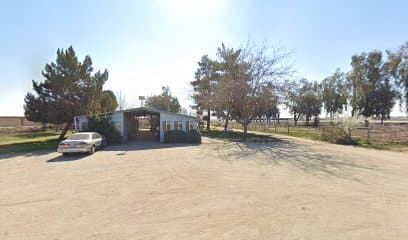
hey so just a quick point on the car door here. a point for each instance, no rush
(100, 139)
(97, 139)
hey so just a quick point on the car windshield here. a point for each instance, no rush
(79, 137)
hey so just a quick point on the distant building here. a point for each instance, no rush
(143, 123)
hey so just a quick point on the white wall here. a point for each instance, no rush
(172, 118)
(117, 118)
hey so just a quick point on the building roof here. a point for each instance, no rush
(144, 109)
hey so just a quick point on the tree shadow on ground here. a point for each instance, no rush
(302, 156)
(68, 158)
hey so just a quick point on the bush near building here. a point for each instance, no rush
(179, 136)
(102, 125)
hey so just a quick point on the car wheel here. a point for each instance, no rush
(92, 150)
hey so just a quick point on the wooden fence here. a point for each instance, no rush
(375, 133)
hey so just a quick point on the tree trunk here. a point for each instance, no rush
(245, 134)
(226, 122)
(278, 117)
(65, 130)
(295, 119)
(208, 119)
(382, 119)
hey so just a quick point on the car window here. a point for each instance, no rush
(79, 136)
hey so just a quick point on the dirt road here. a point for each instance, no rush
(288, 189)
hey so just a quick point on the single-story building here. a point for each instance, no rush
(143, 123)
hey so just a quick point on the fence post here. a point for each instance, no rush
(275, 126)
(288, 127)
(368, 135)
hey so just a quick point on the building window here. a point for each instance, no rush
(166, 126)
(189, 125)
(178, 125)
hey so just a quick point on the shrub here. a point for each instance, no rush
(102, 124)
(175, 136)
(332, 134)
(338, 133)
(193, 136)
(178, 136)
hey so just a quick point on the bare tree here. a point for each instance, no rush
(248, 86)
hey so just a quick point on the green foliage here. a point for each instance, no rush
(69, 89)
(371, 78)
(108, 101)
(304, 100)
(336, 134)
(193, 136)
(204, 84)
(165, 101)
(175, 136)
(102, 124)
(397, 65)
(334, 91)
(178, 136)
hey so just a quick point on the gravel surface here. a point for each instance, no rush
(289, 189)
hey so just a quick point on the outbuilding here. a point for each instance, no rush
(138, 124)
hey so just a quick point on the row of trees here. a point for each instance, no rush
(252, 81)
(70, 88)
(371, 88)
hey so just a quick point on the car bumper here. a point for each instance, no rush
(74, 150)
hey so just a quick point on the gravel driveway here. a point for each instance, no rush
(288, 189)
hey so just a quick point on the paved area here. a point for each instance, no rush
(289, 189)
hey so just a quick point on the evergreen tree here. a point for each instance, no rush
(334, 93)
(165, 101)
(69, 89)
(204, 87)
(374, 93)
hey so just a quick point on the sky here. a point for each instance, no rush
(149, 44)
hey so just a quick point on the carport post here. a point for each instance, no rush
(368, 135)
(288, 127)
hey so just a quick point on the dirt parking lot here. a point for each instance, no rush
(290, 189)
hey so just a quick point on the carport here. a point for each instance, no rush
(144, 124)
(141, 124)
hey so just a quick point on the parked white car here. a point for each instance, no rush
(81, 143)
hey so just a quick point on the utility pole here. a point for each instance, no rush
(142, 98)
